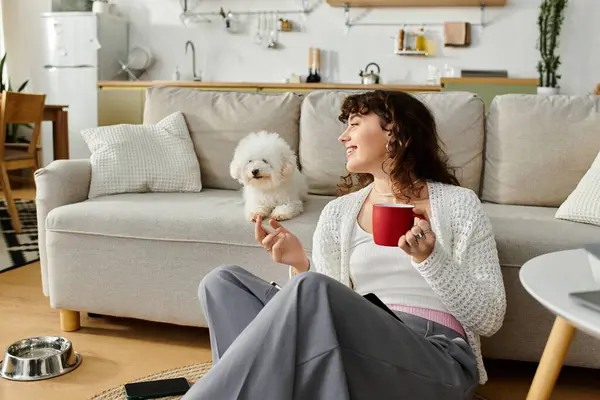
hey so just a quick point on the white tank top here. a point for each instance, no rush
(388, 273)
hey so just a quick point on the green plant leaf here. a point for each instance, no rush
(23, 85)
(550, 20)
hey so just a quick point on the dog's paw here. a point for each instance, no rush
(286, 211)
(280, 217)
(254, 214)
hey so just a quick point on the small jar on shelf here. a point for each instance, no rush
(412, 43)
(420, 43)
(400, 41)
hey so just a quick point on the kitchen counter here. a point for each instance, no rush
(268, 86)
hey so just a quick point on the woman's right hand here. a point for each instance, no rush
(283, 246)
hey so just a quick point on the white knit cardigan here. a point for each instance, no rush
(463, 268)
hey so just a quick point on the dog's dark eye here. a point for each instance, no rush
(265, 161)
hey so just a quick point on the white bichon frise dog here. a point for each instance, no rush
(273, 187)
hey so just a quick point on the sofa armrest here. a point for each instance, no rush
(62, 182)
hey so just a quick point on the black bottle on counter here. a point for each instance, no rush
(314, 62)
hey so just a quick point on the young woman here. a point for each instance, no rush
(318, 337)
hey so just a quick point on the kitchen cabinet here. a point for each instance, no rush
(122, 102)
(117, 105)
(416, 3)
(488, 88)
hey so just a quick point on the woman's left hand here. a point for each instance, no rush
(420, 240)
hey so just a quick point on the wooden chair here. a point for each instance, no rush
(19, 108)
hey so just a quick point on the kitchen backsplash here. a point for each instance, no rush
(507, 42)
(228, 56)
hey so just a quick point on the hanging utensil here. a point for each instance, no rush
(276, 27)
(258, 39)
(231, 21)
(273, 27)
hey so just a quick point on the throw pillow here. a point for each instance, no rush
(583, 205)
(143, 158)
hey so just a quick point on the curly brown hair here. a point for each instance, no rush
(414, 148)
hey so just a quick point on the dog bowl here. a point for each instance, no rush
(37, 358)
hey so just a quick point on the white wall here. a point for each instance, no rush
(1, 31)
(508, 42)
(22, 30)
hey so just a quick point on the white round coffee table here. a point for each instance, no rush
(549, 279)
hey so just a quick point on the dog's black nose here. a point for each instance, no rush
(255, 172)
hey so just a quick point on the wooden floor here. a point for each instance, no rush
(117, 350)
(114, 350)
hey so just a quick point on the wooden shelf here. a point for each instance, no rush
(416, 3)
(411, 53)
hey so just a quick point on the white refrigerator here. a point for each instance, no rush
(80, 49)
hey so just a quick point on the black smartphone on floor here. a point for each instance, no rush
(156, 389)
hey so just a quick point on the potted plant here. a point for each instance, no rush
(12, 130)
(550, 22)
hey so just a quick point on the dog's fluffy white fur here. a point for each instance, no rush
(273, 186)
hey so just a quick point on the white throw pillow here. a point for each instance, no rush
(583, 204)
(143, 158)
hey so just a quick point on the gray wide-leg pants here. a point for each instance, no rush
(318, 339)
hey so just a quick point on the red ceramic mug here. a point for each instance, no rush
(391, 221)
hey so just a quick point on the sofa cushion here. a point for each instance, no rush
(130, 158)
(212, 216)
(525, 232)
(539, 147)
(459, 117)
(583, 204)
(322, 158)
(218, 120)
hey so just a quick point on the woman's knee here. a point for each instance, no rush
(310, 281)
(321, 288)
(311, 292)
(217, 277)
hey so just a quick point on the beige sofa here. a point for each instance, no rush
(143, 255)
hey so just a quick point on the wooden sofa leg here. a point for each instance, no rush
(69, 320)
